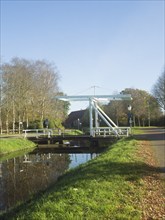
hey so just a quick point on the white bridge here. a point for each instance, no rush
(95, 130)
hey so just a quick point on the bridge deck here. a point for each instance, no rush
(60, 139)
(73, 137)
(72, 144)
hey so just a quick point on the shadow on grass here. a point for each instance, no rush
(109, 171)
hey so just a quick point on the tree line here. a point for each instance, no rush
(146, 109)
(27, 95)
(27, 99)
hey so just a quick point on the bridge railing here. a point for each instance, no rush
(107, 131)
(100, 131)
(48, 132)
(36, 132)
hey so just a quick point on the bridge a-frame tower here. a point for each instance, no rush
(94, 108)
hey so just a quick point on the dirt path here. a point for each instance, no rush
(156, 138)
(152, 150)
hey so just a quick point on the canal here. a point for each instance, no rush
(30, 173)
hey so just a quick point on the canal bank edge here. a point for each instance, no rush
(10, 145)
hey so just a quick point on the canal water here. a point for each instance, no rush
(26, 175)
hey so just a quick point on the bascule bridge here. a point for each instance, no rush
(47, 139)
(95, 112)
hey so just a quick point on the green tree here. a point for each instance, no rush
(144, 108)
(115, 109)
(159, 90)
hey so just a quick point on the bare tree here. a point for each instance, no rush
(17, 79)
(159, 90)
(29, 92)
(46, 88)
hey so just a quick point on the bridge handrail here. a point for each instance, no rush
(122, 131)
(101, 131)
(47, 131)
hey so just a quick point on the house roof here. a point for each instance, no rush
(74, 116)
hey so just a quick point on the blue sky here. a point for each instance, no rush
(112, 45)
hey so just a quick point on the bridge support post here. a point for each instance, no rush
(91, 117)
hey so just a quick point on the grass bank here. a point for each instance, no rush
(10, 145)
(107, 187)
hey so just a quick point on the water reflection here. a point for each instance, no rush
(77, 159)
(26, 175)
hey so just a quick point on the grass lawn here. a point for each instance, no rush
(107, 187)
(9, 145)
(140, 130)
